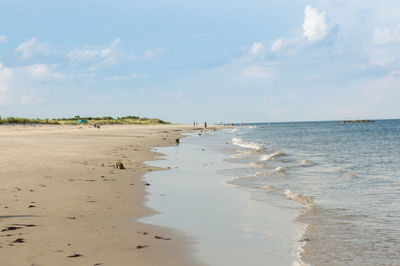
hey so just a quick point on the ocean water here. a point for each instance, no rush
(345, 179)
(310, 193)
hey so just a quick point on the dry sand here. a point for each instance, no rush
(60, 196)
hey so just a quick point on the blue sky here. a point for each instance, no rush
(182, 61)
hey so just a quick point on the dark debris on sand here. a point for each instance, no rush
(162, 238)
(11, 228)
(75, 255)
(19, 240)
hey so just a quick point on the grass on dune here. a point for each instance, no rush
(106, 120)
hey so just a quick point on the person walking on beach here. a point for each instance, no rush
(205, 124)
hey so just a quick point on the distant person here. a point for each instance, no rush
(194, 124)
(205, 124)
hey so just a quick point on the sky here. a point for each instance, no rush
(215, 61)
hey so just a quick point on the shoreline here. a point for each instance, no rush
(230, 225)
(63, 203)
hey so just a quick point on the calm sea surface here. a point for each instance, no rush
(343, 178)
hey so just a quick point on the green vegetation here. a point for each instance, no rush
(106, 120)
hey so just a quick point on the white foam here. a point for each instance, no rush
(300, 248)
(279, 169)
(247, 144)
(238, 155)
(349, 174)
(258, 174)
(269, 157)
(269, 188)
(256, 165)
(243, 153)
(301, 199)
(303, 162)
(261, 173)
(378, 177)
(234, 130)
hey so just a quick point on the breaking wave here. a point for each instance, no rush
(257, 165)
(271, 156)
(305, 201)
(304, 162)
(269, 188)
(247, 144)
(279, 170)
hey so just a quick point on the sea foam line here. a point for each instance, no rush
(269, 157)
(242, 153)
(305, 201)
(300, 248)
(247, 144)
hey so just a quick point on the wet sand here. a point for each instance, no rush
(62, 202)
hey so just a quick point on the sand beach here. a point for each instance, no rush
(62, 201)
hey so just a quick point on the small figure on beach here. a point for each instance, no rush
(205, 124)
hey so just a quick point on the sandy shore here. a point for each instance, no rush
(63, 203)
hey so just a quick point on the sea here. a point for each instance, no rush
(300, 193)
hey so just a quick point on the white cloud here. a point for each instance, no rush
(32, 47)
(258, 72)
(19, 85)
(6, 75)
(277, 45)
(288, 46)
(395, 72)
(369, 98)
(257, 49)
(153, 53)
(315, 26)
(381, 57)
(30, 99)
(386, 35)
(40, 71)
(104, 54)
(3, 38)
(128, 77)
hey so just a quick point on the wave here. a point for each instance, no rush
(304, 162)
(379, 178)
(247, 144)
(269, 157)
(234, 130)
(305, 201)
(279, 169)
(258, 174)
(257, 165)
(252, 126)
(349, 174)
(242, 153)
(269, 188)
(238, 155)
